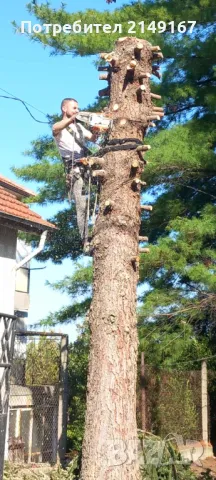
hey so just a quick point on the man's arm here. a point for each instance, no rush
(59, 126)
(92, 137)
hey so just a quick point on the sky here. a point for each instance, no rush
(30, 73)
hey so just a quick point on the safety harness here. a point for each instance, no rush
(113, 145)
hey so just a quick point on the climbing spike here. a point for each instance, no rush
(143, 148)
(144, 250)
(143, 239)
(148, 208)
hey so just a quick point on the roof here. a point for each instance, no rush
(15, 211)
(16, 188)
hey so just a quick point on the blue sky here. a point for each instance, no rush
(30, 73)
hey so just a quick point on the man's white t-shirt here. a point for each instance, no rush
(66, 142)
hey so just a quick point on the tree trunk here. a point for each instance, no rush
(110, 442)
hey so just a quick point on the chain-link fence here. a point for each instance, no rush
(7, 329)
(38, 398)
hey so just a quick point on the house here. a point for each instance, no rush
(15, 216)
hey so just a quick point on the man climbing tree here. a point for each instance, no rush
(70, 137)
(110, 442)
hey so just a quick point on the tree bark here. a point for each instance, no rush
(110, 442)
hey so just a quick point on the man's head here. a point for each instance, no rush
(69, 107)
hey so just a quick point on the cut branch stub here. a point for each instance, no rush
(115, 107)
(99, 173)
(144, 75)
(132, 73)
(155, 48)
(97, 161)
(143, 148)
(159, 109)
(141, 89)
(147, 208)
(159, 114)
(144, 250)
(104, 76)
(143, 239)
(104, 55)
(153, 117)
(137, 182)
(105, 92)
(154, 95)
(109, 204)
(104, 68)
(135, 163)
(158, 55)
(137, 50)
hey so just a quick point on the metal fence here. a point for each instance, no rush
(7, 330)
(38, 398)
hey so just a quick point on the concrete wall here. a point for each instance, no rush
(8, 240)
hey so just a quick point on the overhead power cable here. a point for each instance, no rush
(13, 97)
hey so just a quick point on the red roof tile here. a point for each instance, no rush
(19, 211)
(10, 185)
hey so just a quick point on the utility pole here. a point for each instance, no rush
(110, 441)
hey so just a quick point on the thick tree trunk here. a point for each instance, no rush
(110, 443)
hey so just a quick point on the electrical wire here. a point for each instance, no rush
(13, 97)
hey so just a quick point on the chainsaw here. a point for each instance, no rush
(95, 121)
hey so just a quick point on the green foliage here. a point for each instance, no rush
(178, 413)
(77, 372)
(42, 362)
(22, 472)
(162, 461)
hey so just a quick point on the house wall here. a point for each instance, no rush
(8, 241)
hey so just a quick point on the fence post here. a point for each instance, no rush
(63, 400)
(204, 393)
(143, 392)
